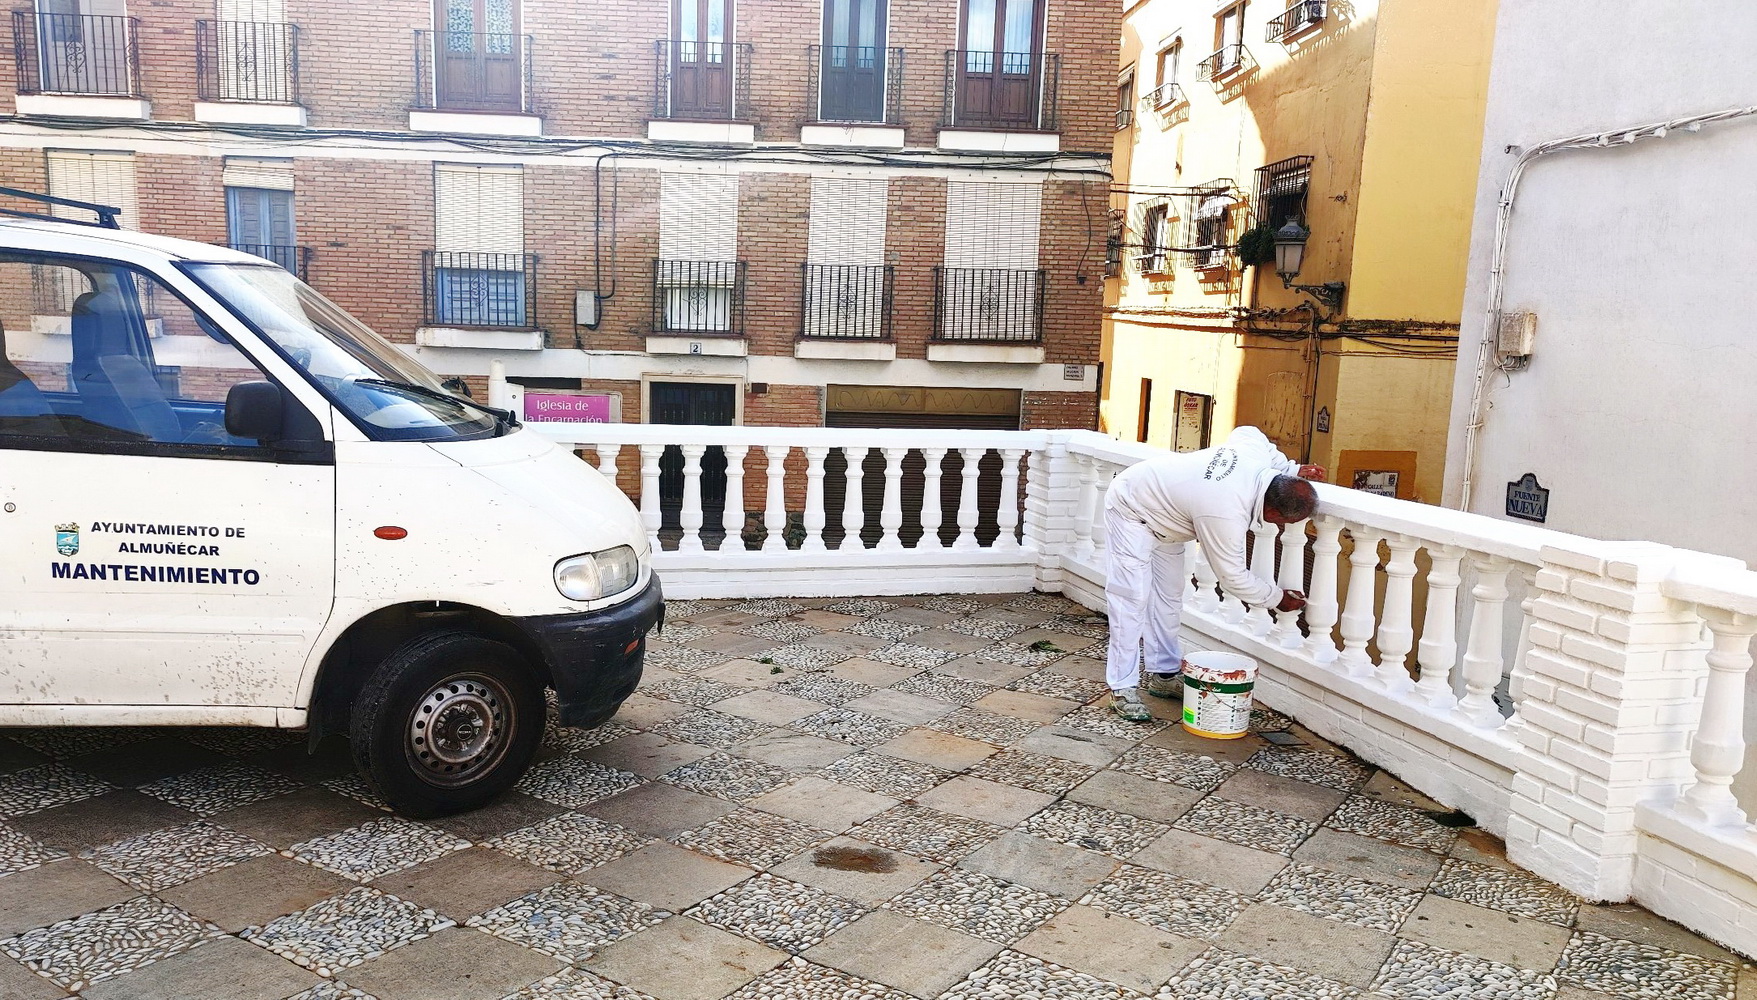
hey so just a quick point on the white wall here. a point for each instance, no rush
(1639, 408)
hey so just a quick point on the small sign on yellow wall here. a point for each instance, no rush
(1385, 473)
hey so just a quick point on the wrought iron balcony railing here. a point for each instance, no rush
(850, 83)
(699, 297)
(473, 71)
(479, 289)
(701, 81)
(247, 61)
(988, 304)
(1125, 117)
(94, 54)
(293, 258)
(1302, 15)
(1166, 95)
(1228, 59)
(846, 301)
(1002, 90)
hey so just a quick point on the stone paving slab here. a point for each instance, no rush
(814, 799)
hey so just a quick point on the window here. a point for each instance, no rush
(847, 286)
(1210, 228)
(1281, 191)
(999, 76)
(1113, 242)
(698, 280)
(852, 84)
(102, 178)
(1167, 64)
(125, 363)
(479, 274)
(1125, 99)
(477, 50)
(990, 287)
(1144, 415)
(1155, 239)
(1229, 35)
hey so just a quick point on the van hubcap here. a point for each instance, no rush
(459, 729)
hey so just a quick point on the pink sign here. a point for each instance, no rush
(555, 408)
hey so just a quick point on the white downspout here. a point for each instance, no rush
(1498, 255)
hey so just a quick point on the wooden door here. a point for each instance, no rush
(853, 68)
(477, 48)
(701, 59)
(1000, 68)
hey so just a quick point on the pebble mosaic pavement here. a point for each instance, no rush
(853, 814)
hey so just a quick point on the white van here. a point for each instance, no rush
(225, 501)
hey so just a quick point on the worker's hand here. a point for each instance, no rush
(1313, 472)
(1291, 600)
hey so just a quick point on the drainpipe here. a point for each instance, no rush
(1498, 255)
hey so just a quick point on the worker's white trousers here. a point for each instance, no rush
(1143, 594)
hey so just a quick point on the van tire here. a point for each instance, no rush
(485, 696)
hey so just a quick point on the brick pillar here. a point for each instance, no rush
(1611, 687)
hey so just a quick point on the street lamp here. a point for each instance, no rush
(1290, 253)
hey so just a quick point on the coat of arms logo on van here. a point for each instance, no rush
(67, 539)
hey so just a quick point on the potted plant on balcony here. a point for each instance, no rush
(1257, 246)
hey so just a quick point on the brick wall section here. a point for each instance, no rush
(369, 261)
(559, 230)
(1071, 246)
(779, 31)
(595, 64)
(925, 29)
(915, 242)
(1086, 36)
(356, 61)
(181, 196)
(167, 53)
(627, 316)
(1056, 411)
(773, 218)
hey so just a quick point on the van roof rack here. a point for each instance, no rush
(106, 214)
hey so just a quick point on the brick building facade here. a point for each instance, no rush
(609, 196)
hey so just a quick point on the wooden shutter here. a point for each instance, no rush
(993, 225)
(698, 216)
(478, 209)
(847, 220)
(271, 174)
(272, 11)
(103, 178)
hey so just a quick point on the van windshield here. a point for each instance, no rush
(388, 394)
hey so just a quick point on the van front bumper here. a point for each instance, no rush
(594, 659)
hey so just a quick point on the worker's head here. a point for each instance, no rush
(1289, 499)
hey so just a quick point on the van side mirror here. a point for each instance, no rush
(253, 411)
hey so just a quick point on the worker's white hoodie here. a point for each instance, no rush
(1213, 496)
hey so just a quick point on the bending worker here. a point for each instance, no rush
(1153, 508)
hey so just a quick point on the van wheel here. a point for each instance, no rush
(446, 722)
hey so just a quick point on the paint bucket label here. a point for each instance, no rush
(1217, 694)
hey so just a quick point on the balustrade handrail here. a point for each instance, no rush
(799, 437)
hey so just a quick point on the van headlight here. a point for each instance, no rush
(597, 574)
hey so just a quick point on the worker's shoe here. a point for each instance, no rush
(1127, 705)
(1165, 685)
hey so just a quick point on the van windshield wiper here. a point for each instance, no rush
(503, 419)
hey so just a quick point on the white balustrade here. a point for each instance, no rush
(1482, 653)
(1263, 568)
(650, 513)
(1396, 635)
(854, 500)
(607, 460)
(1100, 535)
(1008, 514)
(1357, 610)
(933, 505)
(1719, 749)
(891, 515)
(968, 513)
(1206, 598)
(690, 517)
(775, 499)
(732, 516)
(1438, 652)
(1321, 605)
(1292, 577)
(814, 498)
(1087, 469)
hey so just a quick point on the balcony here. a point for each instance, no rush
(1296, 20)
(845, 312)
(1581, 699)
(1124, 118)
(858, 94)
(698, 307)
(473, 81)
(247, 72)
(701, 91)
(293, 258)
(1166, 95)
(82, 65)
(1225, 62)
(987, 314)
(990, 94)
(479, 300)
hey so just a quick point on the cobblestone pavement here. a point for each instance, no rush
(823, 799)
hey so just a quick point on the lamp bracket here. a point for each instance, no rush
(1329, 293)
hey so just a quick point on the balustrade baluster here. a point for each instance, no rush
(607, 460)
(1438, 651)
(1357, 611)
(1397, 620)
(732, 517)
(854, 500)
(1100, 535)
(1321, 606)
(775, 502)
(1008, 515)
(891, 516)
(1292, 577)
(650, 514)
(690, 518)
(967, 512)
(1482, 651)
(1262, 567)
(933, 509)
(1206, 598)
(814, 498)
(1719, 748)
(1086, 466)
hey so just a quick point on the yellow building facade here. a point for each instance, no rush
(1361, 122)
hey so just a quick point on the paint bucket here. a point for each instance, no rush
(1217, 693)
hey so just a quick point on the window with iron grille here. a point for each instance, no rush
(991, 287)
(1281, 191)
(1113, 243)
(698, 280)
(1125, 99)
(479, 272)
(1207, 233)
(846, 285)
(1155, 239)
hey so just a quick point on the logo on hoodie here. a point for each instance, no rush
(1221, 465)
